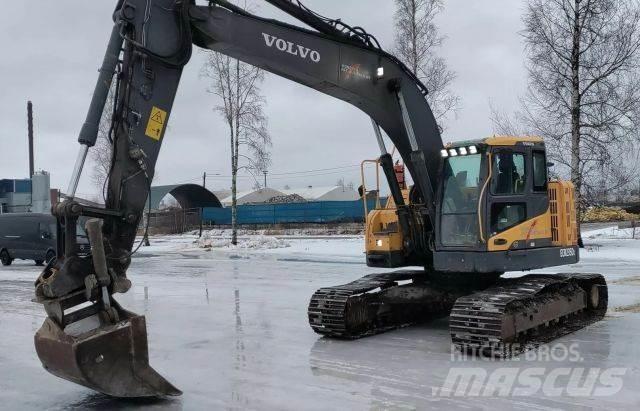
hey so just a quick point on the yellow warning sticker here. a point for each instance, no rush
(155, 126)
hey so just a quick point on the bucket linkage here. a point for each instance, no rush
(88, 338)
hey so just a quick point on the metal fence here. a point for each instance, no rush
(311, 212)
(172, 221)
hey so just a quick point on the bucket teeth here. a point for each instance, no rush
(112, 359)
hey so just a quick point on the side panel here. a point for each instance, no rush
(563, 214)
(31, 241)
(503, 261)
(533, 233)
(10, 236)
(20, 233)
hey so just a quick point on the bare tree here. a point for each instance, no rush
(101, 153)
(583, 94)
(242, 106)
(416, 43)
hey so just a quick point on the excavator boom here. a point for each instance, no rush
(102, 345)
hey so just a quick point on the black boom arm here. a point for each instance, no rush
(155, 38)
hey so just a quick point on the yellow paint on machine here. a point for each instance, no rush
(534, 229)
(156, 123)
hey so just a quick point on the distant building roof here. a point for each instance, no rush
(187, 195)
(326, 193)
(253, 196)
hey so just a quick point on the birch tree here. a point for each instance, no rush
(416, 43)
(101, 153)
(241, 105)
(583, 91)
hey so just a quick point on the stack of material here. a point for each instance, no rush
(291, 198)
(607, 214)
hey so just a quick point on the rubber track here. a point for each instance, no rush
(476, 319)
(330, 306)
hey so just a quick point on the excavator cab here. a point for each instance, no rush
(496, 211)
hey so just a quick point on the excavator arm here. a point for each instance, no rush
(87, 337)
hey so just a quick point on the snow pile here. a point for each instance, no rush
(254, 243)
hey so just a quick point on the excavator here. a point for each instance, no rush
(476, 209)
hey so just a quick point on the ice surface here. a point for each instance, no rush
(228, 326)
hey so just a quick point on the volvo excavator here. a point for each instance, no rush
(476, 210)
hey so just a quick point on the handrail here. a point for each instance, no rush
(364, 187)
(484, 188)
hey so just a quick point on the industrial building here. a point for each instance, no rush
(26, 195)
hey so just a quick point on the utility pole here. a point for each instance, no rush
(30, 136)
(204, 185)
(265, 178)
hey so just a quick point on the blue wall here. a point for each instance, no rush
(312, 212)
(15, 186)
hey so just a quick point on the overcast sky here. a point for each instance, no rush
(52, 50)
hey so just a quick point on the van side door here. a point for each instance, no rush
(12, 235)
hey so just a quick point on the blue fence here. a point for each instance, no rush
(312, 212)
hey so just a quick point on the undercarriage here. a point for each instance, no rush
(488, 315)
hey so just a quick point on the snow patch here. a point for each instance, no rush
(613, 233)
(254, 243)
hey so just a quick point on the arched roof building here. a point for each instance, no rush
(187, 195)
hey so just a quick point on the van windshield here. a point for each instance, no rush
(80, 232)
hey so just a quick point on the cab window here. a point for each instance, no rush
(459, 217)
(509, 176)
(539, 171)
(507, 215)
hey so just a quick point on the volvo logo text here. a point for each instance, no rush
(291, 48)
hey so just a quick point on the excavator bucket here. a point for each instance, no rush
(112, 359)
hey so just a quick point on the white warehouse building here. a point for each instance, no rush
(262, 195)
(326, 193)
(310, 193)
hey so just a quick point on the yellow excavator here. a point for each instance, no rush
(495, 211)
(477, 209)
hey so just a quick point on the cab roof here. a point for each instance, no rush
(497, 140)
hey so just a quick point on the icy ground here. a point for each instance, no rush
(228, 326)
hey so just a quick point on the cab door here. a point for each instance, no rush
(517, 202)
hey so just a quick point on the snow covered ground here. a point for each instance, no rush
(228, 326)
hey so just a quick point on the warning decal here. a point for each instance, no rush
(155, 126)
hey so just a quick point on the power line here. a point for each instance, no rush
(306, 171)
(317, 170)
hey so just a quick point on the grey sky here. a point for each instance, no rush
(52, 49)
